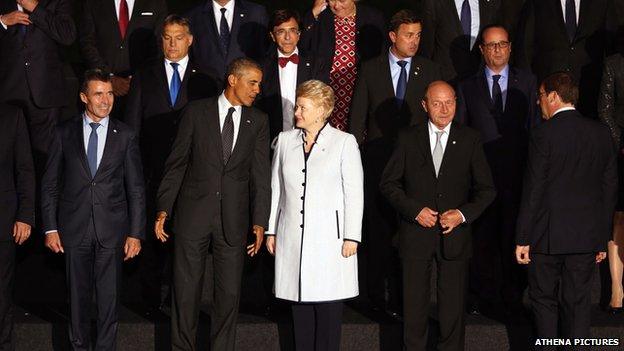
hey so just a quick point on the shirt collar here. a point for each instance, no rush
(86, 120)
(433, 128)
(504, 73)
(183, 62)
(279, 53)
(229, 7)
(393, 59)
(224, 103)
(568, 108)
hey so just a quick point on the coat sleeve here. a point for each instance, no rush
(276, 186)
(261, 176)
(135, 188)
(57, 24)
(353, 188)
(482, 187)
(24, 174)
(50, 183)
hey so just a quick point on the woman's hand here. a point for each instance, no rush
(270, 244)
(349, 248)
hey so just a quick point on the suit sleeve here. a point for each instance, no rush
(606, 102)
(88, 39)
(523, 47)
(353, 188)
(50, 183)
(135, 188)
(24, 174)
(609, 190)
(534, 187)
(134, 110)
(57, 24)
(276, 186)
(261, 176)
(359, 108)
(482, 189)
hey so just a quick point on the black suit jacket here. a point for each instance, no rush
(210, 196)
(444, 42)
(570, 187)
(114, 198)
(30, 64)
(542, 44)
(248, 35)
(100, 39)
(505, 136)
(309, 67)
(371, 36)
(410, 184)
(150, 113)
(17, 174)
(374, 111)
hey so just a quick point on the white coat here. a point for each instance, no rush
(315, 206)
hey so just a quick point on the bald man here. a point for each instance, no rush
(443, 188)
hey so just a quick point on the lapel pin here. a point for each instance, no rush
(242, 15)
(308, 64)
(454, 142)
(114, 130)
(193, 71)
(248, 121)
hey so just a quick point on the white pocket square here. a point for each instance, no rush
(147, 14)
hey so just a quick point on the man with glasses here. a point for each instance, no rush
(500, 102)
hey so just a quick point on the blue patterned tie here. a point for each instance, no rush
(92, 148)
(401, 84)
(176, 82)
(466, 18)
(224, 33)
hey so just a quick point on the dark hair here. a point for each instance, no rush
(283, 15)
(564, 85)
(403, 17)
(237, 66)
(95, 74)
(176, 19)
(490, 26)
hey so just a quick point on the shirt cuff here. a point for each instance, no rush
(50, 231)
(463, 218)
(3, 25)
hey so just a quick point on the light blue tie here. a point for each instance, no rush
(176, 82)
(92, 148)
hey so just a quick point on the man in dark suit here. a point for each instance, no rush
(387, 99)
(572, 36)
(566, 214)
(119, 36)
(500, 102)
(93, 206)
(450, 32)
(226, 30)
(17, 179)
(31, 33)
(215, 179)
(284, 68)
(439, 182)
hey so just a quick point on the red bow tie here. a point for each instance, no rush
(283, 61)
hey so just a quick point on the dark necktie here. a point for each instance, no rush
(92, 147)
(176, 82)
(570, 19)
(497, 94)
(283, 61)
(124, 18)
(224, 33)
(401, 84)
(466, 19)
(227, 135)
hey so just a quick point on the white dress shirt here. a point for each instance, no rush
(229, 14)
(130, 8)
(181, 69)
(395, 69)
(101, 131)
(474, 18)
(19, 8)
(502, 82)
(288, 87)
(577, 5)
(224, 106)
(569, 108)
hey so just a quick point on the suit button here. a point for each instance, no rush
(302, 198)
(572, 48)
(302, 184)
(27, 64)
(300, 225)
(218, 193)
(121, 47)
(301, 211)
(93, 184)
(439, 195)
(303, 170)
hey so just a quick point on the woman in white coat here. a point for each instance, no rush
(316, 219)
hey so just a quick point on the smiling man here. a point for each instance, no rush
(217, 173)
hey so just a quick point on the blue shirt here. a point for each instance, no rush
(395, 69)
(101, 131)
(502, 81)
(474, 18)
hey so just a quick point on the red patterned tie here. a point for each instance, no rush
(124, 18)
(283, 61)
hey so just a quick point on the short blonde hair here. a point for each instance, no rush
(320, 93)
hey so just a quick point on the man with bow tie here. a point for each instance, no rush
(285, 67)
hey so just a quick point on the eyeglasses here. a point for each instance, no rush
(497, 45)
(282, 32)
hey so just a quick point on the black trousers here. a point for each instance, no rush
(451, 286)
(91, 267)
(317, 326)
(7, 277)
(189, 262)
(568, 276)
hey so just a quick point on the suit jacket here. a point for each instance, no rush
(209, 196)
(374, 112)
(114, 199)
(100, 39)
(570, 187)
(248, 35)
(371, 35)
(464, 182)
(542, 44)
(150, 113)
(611, 99)
(505, 136)
(309, 67)
(444, 42)
(17, 174)
(30, 63)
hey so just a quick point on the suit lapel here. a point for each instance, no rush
(484, 88)
(80, 147)
(455, 16)
(161, 77)
(243, 134)
(214, 127)
(304, 68)
(136, 13)
(451, 148)
(583, 15)
(387, 87)
(112, 140)
(558, 13)
(109, 17)
(425, 147)
(240, 16)
(183, 94)
(512, 86)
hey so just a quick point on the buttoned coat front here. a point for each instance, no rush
(315, 206)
